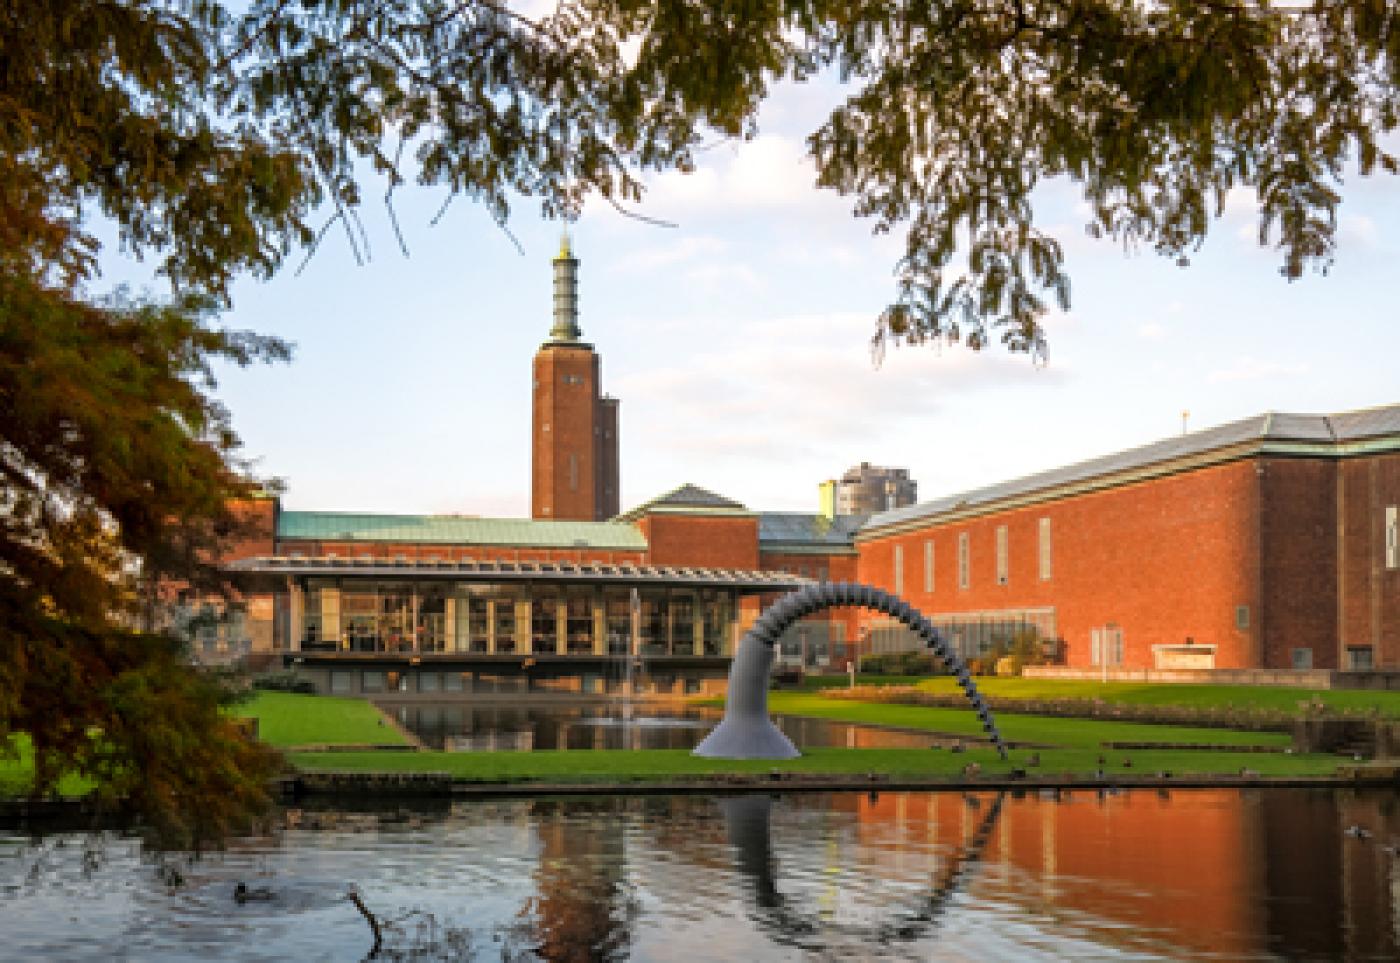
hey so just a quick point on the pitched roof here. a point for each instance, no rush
(459, 530)
(1328, 430)
(687, 496)
(786, 530)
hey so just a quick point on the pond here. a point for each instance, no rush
(523, 726)
(1144, 875)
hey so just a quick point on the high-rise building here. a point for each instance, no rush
(867, 489)
(574, 464)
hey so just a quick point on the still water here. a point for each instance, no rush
(525, 727)
(1138, 875)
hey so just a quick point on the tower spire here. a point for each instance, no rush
(565, 293)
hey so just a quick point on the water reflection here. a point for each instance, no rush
(748, 820)
(1191, 874)
(461, 727)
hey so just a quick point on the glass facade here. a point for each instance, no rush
(364, 615)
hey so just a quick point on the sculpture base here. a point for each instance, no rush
(740, 738)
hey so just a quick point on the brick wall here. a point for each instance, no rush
(564, 446)
(1164, 559)
(1368, 594)
(1298, 560)
(701, 541)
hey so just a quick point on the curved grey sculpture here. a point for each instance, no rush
(746, 732)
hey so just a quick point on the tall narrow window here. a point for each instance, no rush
(1045, 550)
(899, 570)
(928, 565)
(1003, 553)
(964, 561)
(1392, 536)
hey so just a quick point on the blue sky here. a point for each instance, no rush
(738, 343)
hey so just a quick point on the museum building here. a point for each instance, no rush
(1267, 543)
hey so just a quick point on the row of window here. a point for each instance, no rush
(1003, 559)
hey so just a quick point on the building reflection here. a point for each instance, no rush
(1188, 873)
(582, 908)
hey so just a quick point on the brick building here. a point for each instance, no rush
(1265, 543)
(1269, 542)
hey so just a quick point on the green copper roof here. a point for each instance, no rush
(459, 530)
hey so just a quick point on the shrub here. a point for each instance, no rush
(284, 682)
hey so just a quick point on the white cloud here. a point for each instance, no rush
(771, 171)
(801, 392)
(1255, 369)
(681, 251)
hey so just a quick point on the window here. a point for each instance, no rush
(1302, 658)
(899, 570)
(1241, 617)
(1003, 555)
(1392, 536)
(1045, 550)
(1359, 659)
(928, 565)
(544, 625)
(964, 561)
(340, 682)
(371, 681)
(429, 682)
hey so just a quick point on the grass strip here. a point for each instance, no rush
(1280, 699)
(650, 765)
(1046, 730)
(294, 719)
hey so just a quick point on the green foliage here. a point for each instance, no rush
(916, 662)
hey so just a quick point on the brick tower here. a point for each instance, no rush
(574, 465)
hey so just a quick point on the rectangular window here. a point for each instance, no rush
(371, 681)
(1359, 659)
(1241, 617)
(899, 570)
(1392, 536)
(340, 682)
(1003, 555)
(1302, 658)
(1045, 550)
(429, 682)
(964, 561)
(928, 565)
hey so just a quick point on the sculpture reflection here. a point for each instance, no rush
(748, 824)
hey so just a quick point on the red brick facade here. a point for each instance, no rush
(1166, 560)
(701, 540)
(564, 470)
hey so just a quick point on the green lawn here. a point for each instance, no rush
(598, 765)
(1069, 733)
(1260, 697)
(291, 719)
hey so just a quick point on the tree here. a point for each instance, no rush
(214, 141)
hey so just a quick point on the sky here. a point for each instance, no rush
(738, 342)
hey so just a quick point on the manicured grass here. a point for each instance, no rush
(816, 682)
(291, 719)
(1051, 730)
(1257, 697)
(599, 765)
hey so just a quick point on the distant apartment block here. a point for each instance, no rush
(867, 489)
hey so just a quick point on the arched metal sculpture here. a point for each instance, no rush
(747, 732)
